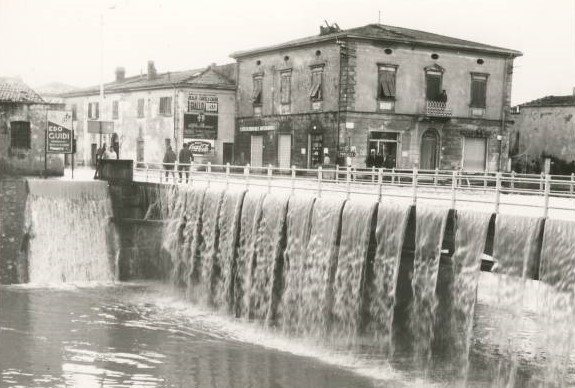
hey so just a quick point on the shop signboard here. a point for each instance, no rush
(59, 134)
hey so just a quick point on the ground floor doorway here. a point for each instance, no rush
(382, 149)
(429, 154)
(284, 151)
(256, 151)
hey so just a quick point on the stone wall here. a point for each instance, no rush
(13, 199)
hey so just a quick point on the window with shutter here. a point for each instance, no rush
(20, 135)
(285, 87)
(316, 92)
(115, 109)
(89, 110)
(433, 86)
(140, 108)
(166, 106)
(386, 83)
(257, 94)
(478, 90)
(96, 110)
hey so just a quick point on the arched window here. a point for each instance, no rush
(429, 155)
(20, 136)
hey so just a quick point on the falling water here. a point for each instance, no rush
(515, 248)
(453, 334)
(350, 278)
(230, 211)
(320, 263)
(429, 230)
(389, 234)
(267, 263)
(298, 229)
(250, 218)
(557, 303)
(209, 251)
(57, 252)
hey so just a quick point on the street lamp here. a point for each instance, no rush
(500, 140)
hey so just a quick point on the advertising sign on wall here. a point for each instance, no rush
(200, 126)
(200, 102)
(200, 146)
(59, 134)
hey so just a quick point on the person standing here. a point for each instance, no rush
(99, 156)
(169, 160)
(185, 158)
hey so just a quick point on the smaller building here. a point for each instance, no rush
(141, 115)
(544, 129)
(23, 124)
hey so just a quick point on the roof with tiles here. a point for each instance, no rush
(217, 77)
(390, 34)
(13, 90)
(551, 101)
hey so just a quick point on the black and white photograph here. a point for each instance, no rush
(299, 194)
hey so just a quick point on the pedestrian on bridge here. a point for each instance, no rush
(184, 160)
(169, 160)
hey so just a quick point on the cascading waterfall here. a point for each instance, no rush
(557, 273)
(429, 231)
(515, 248)
(454, 334)
(209, 251)
(390, 232)
(250, 218)
(297, 235)
(320, 264)
(267, 264)
(57, 253)
(223, 282)
(350, 277)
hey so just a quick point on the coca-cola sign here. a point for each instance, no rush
(200, 147)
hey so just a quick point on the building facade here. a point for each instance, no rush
(374, 96)
(544, 129)
(141, 115)
(23, 126)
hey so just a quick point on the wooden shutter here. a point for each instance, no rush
(433, 90)
(478, 91)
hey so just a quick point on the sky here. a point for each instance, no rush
(45, 41)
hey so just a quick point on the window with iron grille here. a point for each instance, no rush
(285, 87)
(166, 106)
(74, 108)
(478, 90)
(20, 135)
(257, 97)
(316, 92)
(115, 106)
(93, 110)
(140, 108)
(386, 82)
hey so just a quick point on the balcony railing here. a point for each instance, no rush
(437, 109)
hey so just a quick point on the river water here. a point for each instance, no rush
(139, 336)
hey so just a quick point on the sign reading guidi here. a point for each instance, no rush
(59, 135)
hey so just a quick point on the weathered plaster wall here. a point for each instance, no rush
(26, 161)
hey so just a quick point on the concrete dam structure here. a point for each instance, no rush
(383, 281)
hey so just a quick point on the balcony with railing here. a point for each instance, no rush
(437, 109)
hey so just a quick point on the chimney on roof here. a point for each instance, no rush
(152, 73)
(120, 73)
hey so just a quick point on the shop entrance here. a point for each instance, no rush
(284, 151)
(382, 150)
(315, 147)
(428, 159)
(257, 148)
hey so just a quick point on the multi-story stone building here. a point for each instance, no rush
(142, 114)
(23, 125)
(374, 95)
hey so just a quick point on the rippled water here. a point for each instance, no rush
(121, 337)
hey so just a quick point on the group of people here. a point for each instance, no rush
(185, 158)
(103, 153)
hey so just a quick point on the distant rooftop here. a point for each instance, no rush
(14, 90)
(382, 32)
(218, 77)
(568, 100)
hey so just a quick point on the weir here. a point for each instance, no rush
(398, 279)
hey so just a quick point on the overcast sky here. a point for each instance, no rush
(46, 41)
